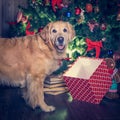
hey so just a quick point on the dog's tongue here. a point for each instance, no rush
(61, 47)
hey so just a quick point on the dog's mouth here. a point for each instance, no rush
(60, 47)
(60, 44)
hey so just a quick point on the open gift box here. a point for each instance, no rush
(88, 79)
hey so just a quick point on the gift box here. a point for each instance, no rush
(88, 79)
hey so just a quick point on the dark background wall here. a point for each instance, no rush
(8, 13)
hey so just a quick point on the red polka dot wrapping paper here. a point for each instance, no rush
(88, 79)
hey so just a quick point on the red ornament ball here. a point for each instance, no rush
(46, 2)
(77, 11)
(103, 26)
(89, 7)
(116, 56)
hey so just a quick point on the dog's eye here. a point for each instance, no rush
(64, 30)
(54, 31)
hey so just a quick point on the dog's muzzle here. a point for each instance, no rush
(60, 44)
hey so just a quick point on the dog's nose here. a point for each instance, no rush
(60, 39)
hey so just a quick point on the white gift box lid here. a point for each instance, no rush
(83, 67)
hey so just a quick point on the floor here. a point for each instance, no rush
(13, 107)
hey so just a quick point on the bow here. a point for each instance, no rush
(94, 45)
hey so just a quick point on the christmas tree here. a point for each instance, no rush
(96, 23)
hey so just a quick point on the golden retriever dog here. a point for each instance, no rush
(26, 61)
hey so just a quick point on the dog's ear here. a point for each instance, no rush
(71, 31)
(45, 33)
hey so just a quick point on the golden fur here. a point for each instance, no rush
(26, 61)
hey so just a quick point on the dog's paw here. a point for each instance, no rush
(49, 109)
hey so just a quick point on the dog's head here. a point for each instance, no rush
(58, 34)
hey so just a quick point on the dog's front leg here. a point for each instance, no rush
(35, 94)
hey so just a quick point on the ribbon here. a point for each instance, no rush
(61, 60)
(56, 3)
(94, 45)
(27, 30)
(12, 23)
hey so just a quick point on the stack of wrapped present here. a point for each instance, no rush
(54, 85)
